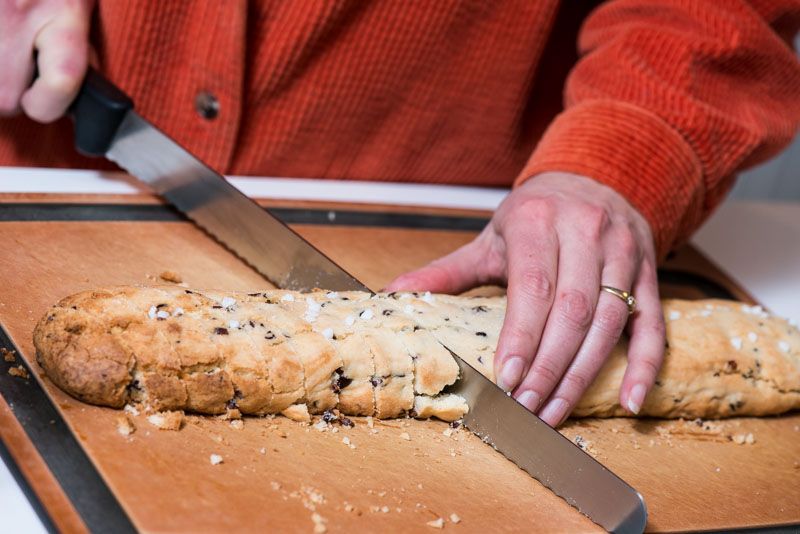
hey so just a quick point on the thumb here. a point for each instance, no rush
(458, 271)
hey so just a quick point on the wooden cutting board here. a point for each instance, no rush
(277, 474)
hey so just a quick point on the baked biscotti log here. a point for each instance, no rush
(274, 351)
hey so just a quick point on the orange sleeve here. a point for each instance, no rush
(671, 98)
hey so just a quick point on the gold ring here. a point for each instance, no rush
(626, 297)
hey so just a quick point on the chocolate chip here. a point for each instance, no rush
(455, 424)
(416, 327)
(217, 307)
(392, 295)
(480, 359)
(731, 366)
(376, 381)
(480, 334)
(220, 331)
(328, 416)
(188, 292)
(480, 309)
(158, 306)
(270, 335)
(254, 294)
(386, 313)
(339, 381)
(252, 324)
(346, 422)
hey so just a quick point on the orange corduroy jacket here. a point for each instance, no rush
(663, 100)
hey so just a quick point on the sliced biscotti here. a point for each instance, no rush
(267, 352)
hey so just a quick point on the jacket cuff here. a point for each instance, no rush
(632, 151)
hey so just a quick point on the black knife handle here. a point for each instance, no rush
(98, 111)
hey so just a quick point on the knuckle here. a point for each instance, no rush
(537, 208)
(611, 318)
(546, 371)
(522, 342)
(594, 221)
(536, 283)
(575, 384)
(575, 309)
(651, 362)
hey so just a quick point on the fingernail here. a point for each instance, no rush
(555, 412)
(510, 373)
(636, 398)
(530, 399)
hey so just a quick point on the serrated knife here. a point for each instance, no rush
(106, 124)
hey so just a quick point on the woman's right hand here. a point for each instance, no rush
(56, 33)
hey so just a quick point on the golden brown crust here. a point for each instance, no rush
(176, 349)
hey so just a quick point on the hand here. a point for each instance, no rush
(58, 31)
(554, 240)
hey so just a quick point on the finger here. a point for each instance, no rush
(460, 270)
(648, 339)
(62, 60)
(16, 64)
(569, 320)
(532, 265)
(608, 323)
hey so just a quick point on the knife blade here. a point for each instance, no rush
(107, 125)
(546, 455)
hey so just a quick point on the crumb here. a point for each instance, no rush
(275, 485)
(346, 441)
(348, 507)
(405, 436)
(131, 409)
(230, 413)
(19, 371)
(636, 445)
(125, 425)
(322, 425)
(8, 355)
(215, 459)
(717, 469)
(436, 523)
(448, 432)
(385, 509)
(171, 276)
(166, 420)
(419, 486)
(741, 439)
(454, 518)
(370, 422)
(298, 412)
(238, 424)
(374, 431)
(319, 523)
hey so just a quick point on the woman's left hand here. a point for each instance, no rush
(554, 241)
